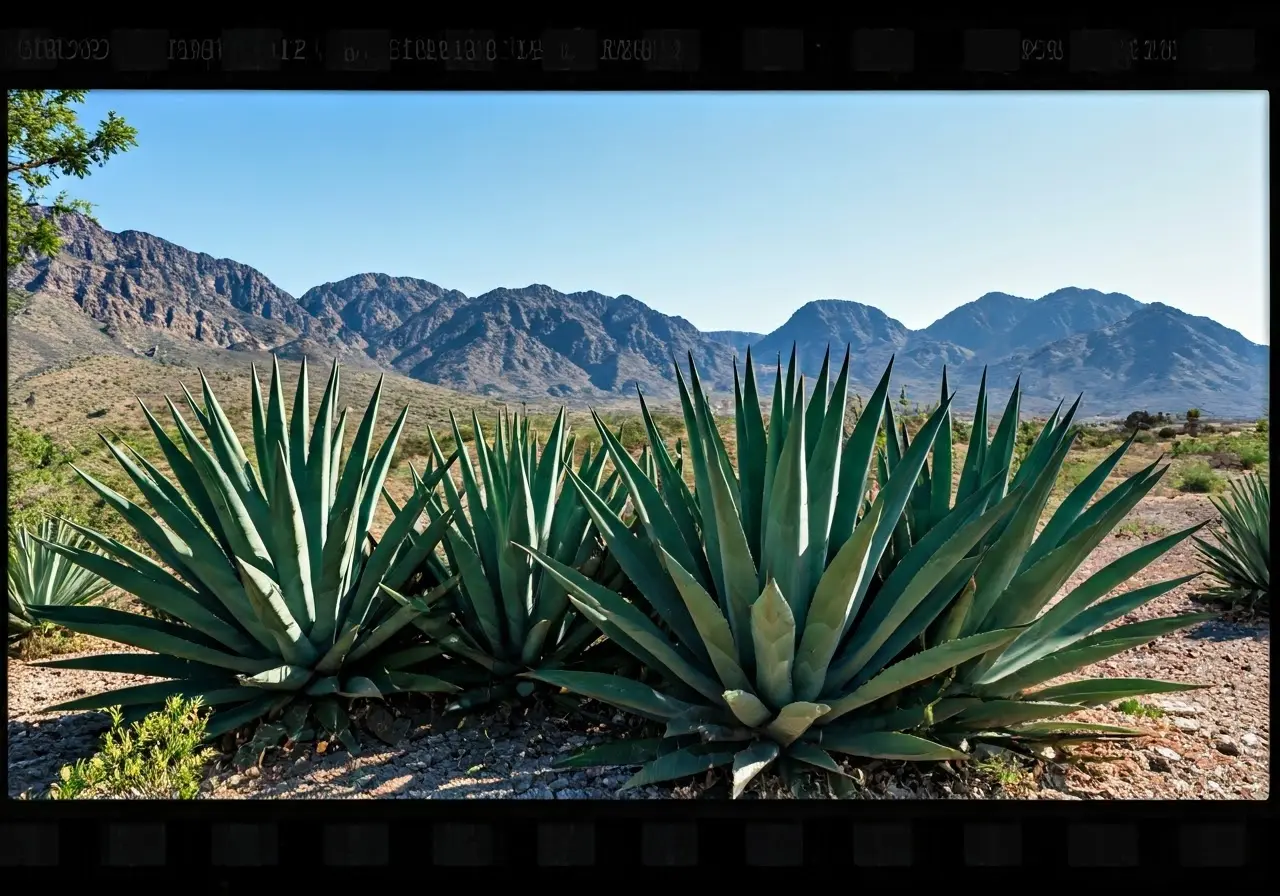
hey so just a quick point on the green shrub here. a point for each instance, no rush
(159, 757)
(1167, 432)
(1262, 425)
(1199, 478)
(1143, 437)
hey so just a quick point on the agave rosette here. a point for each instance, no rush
(270, 570)
(41, 577)
(507, 616)
(799, 614)
(1241, 558)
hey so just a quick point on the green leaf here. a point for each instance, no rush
(622, 752)
(922, 665)
(625, 694)
(1095, 691)
(747, 708)
(795, 719)
(751, 762)
(773, 632)
(711, 624)
(887, 745)
(682, 763)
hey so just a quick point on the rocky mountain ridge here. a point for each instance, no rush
(540, 343)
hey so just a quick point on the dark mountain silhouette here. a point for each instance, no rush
(142, 291)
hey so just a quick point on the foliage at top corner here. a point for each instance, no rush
(798, 610)
(46, 140)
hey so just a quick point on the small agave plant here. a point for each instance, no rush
(797, 617)
(507, 616)
(1241, 558)
(270, 569)
(41, 577)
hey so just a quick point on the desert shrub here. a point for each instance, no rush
(1262, 425)
(1199, 478)
(1144, 438)
(1251, 456)
(1167, 432)
(158, 757)
(1208, 429)
(1138, 420)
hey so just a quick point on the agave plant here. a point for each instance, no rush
(270, 568)
(507, 616)
(40, 577)
(799, 616)
(1241, 560)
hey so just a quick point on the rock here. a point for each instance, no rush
(1250, 740)
(234, 780)
(1183, 724)
(1179, 708)
(1161, 759)
(558, 784)
(521, 783)
(253, 772)
(1226, 746)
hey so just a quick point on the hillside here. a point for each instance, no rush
(133, 293)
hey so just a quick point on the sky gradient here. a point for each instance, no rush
(730, 210)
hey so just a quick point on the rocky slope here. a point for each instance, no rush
(135, 290)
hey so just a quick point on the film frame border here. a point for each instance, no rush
(227, 838)
(937, 55)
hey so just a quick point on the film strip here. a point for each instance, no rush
(603, 58)
(666, 835)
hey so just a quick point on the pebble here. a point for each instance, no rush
(1185, 724)
(1227, 746)
(1250, 740)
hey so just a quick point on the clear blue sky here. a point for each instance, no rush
(730, 210)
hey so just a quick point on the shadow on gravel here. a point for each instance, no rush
(39, 748)
(1219, 630)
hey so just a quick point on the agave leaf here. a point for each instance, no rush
(855, 463)
(681, 763)
(1090, 650)
(484, 603)
(148, 634)
(773, 633)
(996, 714)
(747, 708)
(1062, 631)
(1050, 729)
(922, 665)
(886, 745)
(919, 572)
(152, 665)
(165, 594)
(658, 521)
(615, 690)
(1095, 691)
(1074, 504)
(226, 720)
(1005, 555)
(627, 625)
(815, 756)
(279, 678)
(622, 752)
(751, 762)
(824, 475)
(1040, 632)
(795, 719)
(786, 542)
(159, 692)
(711, 624)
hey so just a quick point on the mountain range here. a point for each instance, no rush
(537, 343)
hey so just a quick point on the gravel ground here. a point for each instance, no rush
(1208, 744)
